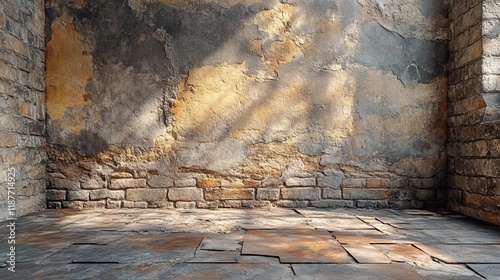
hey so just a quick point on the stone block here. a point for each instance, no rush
(254, 203)
(78, 195)
(328, 203)
(208, 183)
(113, 204)
(185, 205)
(54, 205)
(354, 183)
(301, 182)
(231, 204)
(293, 203)
(372, 204)
(56, 195)
(366, 194)
(268, 194)
(425, 194)
(160, 182)
(146, 194)
(92, 184)
(185, 194)
(270, 181)
(120, 184)
(121, 175)
(332, 193)
(134, 204)
(301, 193)
(101, 204)
(190, 182)
(77, 205)
(378, 183)
(330, 182)
(63, 184)
(229, 194)
(101, 194)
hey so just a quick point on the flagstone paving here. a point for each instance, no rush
(271, 243)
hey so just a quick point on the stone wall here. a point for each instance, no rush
(474, 109)
(218, 103)
(22, 112)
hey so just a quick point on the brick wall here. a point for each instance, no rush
(474, 111)
(22, 112)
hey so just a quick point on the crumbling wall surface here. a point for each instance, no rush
(22, 112)
(474, 110)
(218, 103)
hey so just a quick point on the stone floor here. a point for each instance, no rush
(251, 244)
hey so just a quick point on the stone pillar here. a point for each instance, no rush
(474, 111)
(22, 110)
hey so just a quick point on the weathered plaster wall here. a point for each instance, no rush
(22, 112)
(218, 103)
(474, 110)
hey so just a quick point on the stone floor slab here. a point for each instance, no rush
(488, 271)
(133, 249)
(366, 254)
(295, 246)
(186, 271)
(356, 271)
(472, 254)
(204, 256)
(223, 242)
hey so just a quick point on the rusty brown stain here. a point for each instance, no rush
(69, 70)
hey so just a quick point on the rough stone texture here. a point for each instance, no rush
(185, 194)
(232, 96)
(22, 109)
(474, 110)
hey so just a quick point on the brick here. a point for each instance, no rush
(268, 194)
(333, 193)
(160, 182)
(367, 194)
(301, 182)
(101, 194)
(208, 183)
(185, 205)
(301, 193)
(185, 194)
(120, 184)
(146, 194)
(191, 182)
(78, 195)
(229, 194)
(56, 195)
(332, 203)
